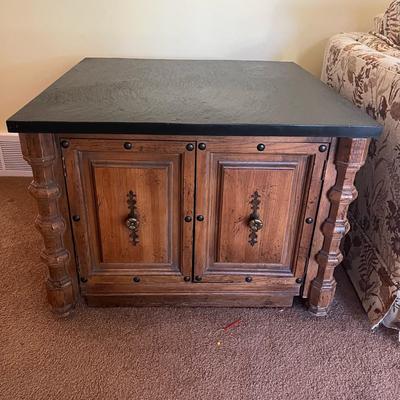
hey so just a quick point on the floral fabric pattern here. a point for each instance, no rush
(365, 68)
(390, 23)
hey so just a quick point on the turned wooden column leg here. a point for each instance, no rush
(350, 156)
(39, 151)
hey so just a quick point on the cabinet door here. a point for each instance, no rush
(128, 202)
(258, 206)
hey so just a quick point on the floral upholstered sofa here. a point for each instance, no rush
(365, 68)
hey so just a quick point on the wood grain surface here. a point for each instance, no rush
(48, 188)
(194, 206)
(288, 178)
(99, 174)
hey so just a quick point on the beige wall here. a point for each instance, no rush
(41, 39)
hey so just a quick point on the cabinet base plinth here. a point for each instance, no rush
(192, 300)
(317, 311)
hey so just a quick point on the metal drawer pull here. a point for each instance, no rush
(255, 223)
(132, 222)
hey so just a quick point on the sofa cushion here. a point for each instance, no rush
(390, 24)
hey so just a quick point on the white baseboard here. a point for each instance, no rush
(11, 160)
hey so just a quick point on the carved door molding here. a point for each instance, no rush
(259, 208)
(128, 207)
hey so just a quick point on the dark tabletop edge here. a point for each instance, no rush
(18, 125)
(193, 129)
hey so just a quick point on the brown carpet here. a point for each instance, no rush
(172, 353)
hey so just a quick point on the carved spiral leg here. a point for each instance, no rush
(40, 152)
(350, 157)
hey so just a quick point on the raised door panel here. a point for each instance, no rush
(131, 206)
(255, 205)
(268, 188)
(150, 187)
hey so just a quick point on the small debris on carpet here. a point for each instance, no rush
(221, 333)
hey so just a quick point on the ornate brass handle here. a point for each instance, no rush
(255, 223)
(132, 222)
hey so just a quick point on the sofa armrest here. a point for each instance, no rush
(366, 70)
(360, 49)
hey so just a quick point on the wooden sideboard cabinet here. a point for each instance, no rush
(203, 219)
(152, 200)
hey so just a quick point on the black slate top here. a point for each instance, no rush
(109, 95)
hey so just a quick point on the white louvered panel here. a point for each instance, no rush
(2, 166)
(11, 160)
